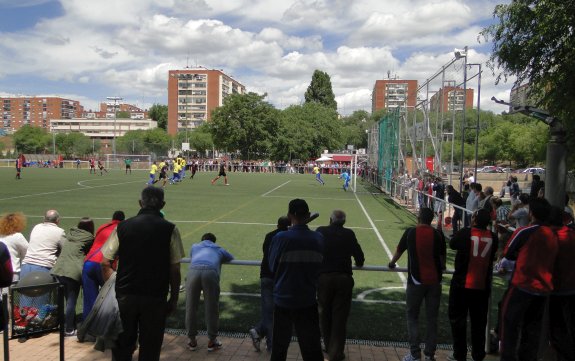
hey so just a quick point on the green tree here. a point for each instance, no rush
(355, 128)
(320, 91)
(73, 144)
(159, 113)
(131, 143)
(30, 139)
(157, 141)
(123, 114)
(245, 123)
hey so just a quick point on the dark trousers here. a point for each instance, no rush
(91, 282)
(143, 320)
(457, 213)
(522, 314)
(414, 297)
(334, 297)
(562, 326)
(306, 323)
(71, 292)
(265, 327)
(462, 302)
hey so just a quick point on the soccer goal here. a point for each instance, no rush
(139, 161)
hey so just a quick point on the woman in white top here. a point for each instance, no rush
(11, 226)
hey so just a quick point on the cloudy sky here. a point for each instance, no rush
(88, 50)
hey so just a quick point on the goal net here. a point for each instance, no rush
(138, 161)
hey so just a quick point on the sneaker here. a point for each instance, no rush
(70, 333)
(409, 357)
(214, 345)
(193, 344)
(256, 339)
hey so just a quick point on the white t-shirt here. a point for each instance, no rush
(46, 240)
(17, 245)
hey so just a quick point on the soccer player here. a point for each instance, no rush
(92, 166)
(163, 167)
(153, 170)
(222, 173)
(176, 176)
(194, 169)
(18, 166)
(346, 178)
(101, 167)
(317, 173)
(128, 163)
(182, 167)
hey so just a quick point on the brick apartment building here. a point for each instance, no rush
(36, 111)
(393, 93)
(450, 98)
(106, 111)
(194, 93)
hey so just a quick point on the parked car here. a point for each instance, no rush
(507, 170)
(534, 170)
(489, 169)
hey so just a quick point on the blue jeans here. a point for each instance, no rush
(71, 292)
(26, 301)
(265, 327)
(91, 282)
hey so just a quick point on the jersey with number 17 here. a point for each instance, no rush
(474, 260)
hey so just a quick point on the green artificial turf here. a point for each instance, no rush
(240, 215)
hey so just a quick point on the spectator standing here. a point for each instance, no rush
(92, 278)
(519, 214)
(68, 267)
(335, 284)
(472, 202)
(562, 300)
(6, 276)
(204, 277)
(265, 327)
(514, 190)
(471, 285)
(149, 249)
(536, 185)
(455, 198)
(11, 226)
(295, 259)
(426, 253)
(439, 206)
(534, 248)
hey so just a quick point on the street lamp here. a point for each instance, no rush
(115, 99)
(458, 55)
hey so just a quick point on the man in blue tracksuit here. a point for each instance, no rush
(346, 178)
(295, 259)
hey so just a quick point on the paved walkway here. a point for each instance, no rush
(46, 348)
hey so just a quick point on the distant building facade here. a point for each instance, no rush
(393, 93)
(519, 95)
(36, 111)
(107, 111)
(451, 98)
(194, 93)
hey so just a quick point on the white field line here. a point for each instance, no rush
(316, 198)
(66, 190)
(387, 250)
(177, 221)
(257, 295)
(81, 183)
(278, 187)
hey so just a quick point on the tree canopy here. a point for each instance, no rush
(320, 90)
(30, 139)
(159, 113)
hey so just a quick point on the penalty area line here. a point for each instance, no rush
(276, 188)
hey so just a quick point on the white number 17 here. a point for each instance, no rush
(487, 241)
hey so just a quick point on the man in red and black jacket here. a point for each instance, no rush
(471, 285)
(562, 300)
(534, 248)
(425, 247)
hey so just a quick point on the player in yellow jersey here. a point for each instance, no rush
(176, 177)
(153, 170)
(317, 173)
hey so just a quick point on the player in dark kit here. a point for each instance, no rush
(101, 167)
(18, 167)
(222, 174)
(194, 168)
(471, 284)
(92, 166)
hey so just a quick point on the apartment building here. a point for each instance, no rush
(36, 111)
(193, 93)
(451, 98)
(107, 110)
(393, 93)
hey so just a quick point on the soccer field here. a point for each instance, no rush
(239, 215)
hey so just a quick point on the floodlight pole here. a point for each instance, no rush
(556, 159)
(115, 99)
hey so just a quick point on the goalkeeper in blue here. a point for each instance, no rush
(346, 178)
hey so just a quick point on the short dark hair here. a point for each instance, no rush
(118, 216)
(524, 198)
(152, 197)
(555, 217)
(87, 224)
(298, 208)
(425, 215)
(209, 237)
(283, 223)
(482, 218)
(478, 187)
(539, 208)
(536, 177)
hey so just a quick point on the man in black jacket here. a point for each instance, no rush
(455, 198)
(150, 250)
(335, 282)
